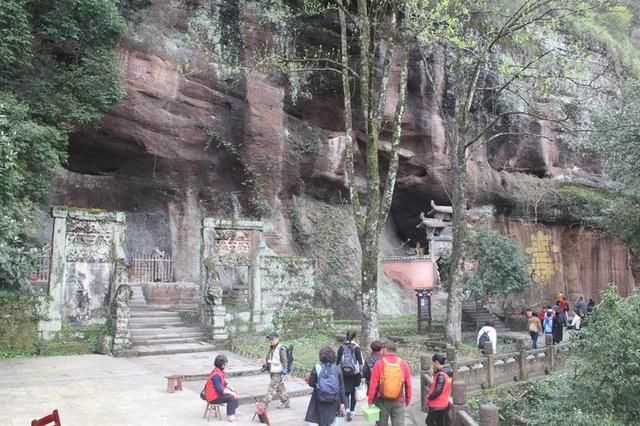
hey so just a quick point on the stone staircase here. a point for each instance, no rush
(160, 331)
(480, 315)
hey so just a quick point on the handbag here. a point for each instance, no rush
(361, 392)
(338, 421)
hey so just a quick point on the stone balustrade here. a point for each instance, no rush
(489, 371)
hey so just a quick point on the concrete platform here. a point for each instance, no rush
(101, 390)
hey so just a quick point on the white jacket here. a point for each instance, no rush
(493, 336)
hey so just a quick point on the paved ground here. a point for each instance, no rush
(102, 390)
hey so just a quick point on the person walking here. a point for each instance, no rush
(350, 361)
(439, 391)
(218, 391)
(557, 327)
(535, 328)
(328, 397)
(276, 364)
(376, 354)
(390, 387)
(547, 326)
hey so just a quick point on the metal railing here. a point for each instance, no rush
(150, 268)
(41, 272)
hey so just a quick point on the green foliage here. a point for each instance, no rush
(74, 339)
(29, 153)
(617, 139)
(57, 70)
(19, 316)
(15, 37)
(497, 265)
(603, 386)
(501, 264)
(609, 25)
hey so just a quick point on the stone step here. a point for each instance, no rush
(170, 348)
(180, 331)
(148, 313)
(144, 341)
(157, 322)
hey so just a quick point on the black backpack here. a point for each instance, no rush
(289, 354)
(348, 362)
(484, 339)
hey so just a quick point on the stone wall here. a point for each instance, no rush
(287, 289)
(87, 248)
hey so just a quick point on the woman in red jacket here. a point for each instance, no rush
(218, 391)
(439, 391)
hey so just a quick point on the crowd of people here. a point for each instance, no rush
(551, 320)
(337, 378)
(340, 379)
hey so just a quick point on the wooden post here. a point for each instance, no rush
(452, 358)
(522, 359)
(551, 353)
(491, 365)
(488, 415)
(425, 379)
(459, 396)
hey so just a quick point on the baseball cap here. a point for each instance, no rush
(272, 335)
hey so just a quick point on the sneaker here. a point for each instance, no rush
(232, 419)
(286, 404)
(349, 416)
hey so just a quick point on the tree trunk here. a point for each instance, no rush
(454, 302)
(370, 324)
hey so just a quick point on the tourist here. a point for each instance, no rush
(557, 327)
(563, 305)
(547, 326)
(276, 364)
(218, 391)
(395, 394)
(575, 321)
(328, 397)
(487, 334)
(591, 306)
(376, 354)
(535, 328)
(439, 392)
(581, 305)
(350, 361)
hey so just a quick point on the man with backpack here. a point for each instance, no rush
(390, 386)
(487, 334)
(350, 362)
(276, 364)
(328, 397)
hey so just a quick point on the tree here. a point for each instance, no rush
(486, 89)
(58, 70)
(602, 385)
(374, 36)
(617, 139)
(500, 265)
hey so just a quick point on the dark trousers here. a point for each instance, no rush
(351, 398)
(436, 418)
(534, 339)
(232, 403)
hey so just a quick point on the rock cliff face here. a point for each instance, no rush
(189, 143)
